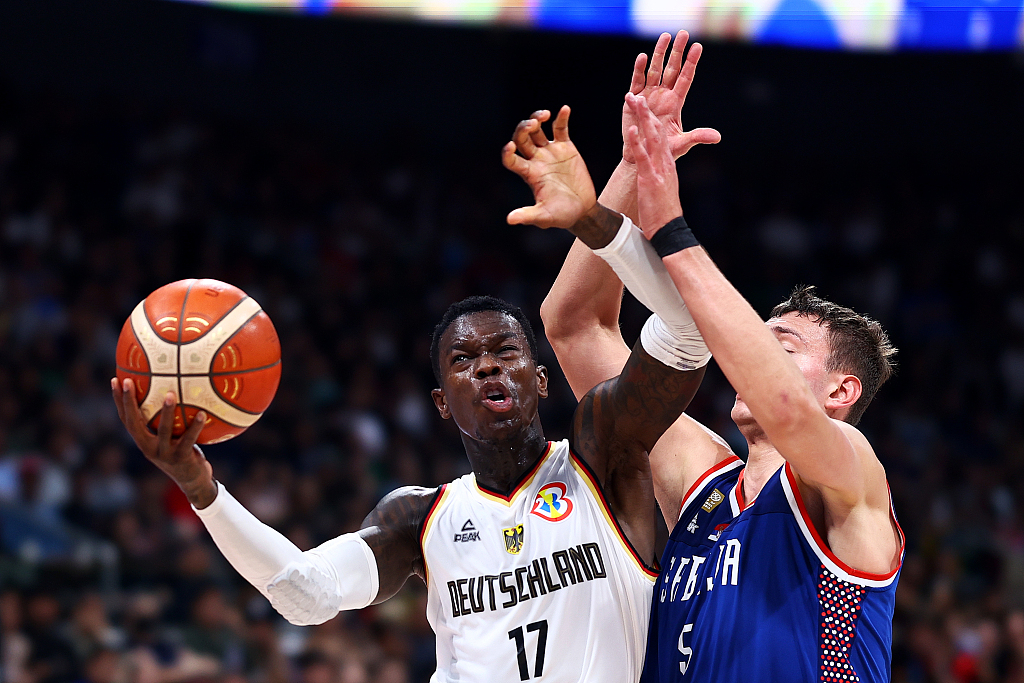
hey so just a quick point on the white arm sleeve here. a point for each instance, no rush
(670, 335)
(305, 587)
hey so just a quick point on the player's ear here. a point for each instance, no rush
(846, 391)
(441, 403)
(542, 381)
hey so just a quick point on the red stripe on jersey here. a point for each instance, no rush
(827, 551)
(703, 479)
(430, 513)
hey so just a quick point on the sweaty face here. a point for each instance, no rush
(490, 384)
(807, 344)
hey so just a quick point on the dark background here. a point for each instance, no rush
(346, 174)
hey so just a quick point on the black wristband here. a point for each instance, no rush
(674, 236)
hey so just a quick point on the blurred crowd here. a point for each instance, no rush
(106, 575)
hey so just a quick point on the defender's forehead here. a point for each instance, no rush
(481, 326)
(806, 329)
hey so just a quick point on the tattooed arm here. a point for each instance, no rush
(392, 531)
(619, 421)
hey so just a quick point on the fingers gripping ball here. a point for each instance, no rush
(209, 344)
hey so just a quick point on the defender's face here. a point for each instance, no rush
(807, 344)
(490, 384)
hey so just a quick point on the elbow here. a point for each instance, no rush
(566, 319)
(305, 619)
(557, 320)
(549, 316)
(304, 596)
(304, 612)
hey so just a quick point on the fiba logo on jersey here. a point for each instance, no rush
(551, 503)
(514, 539)
(713, 500)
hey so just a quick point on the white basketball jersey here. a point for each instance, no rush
(537, 585)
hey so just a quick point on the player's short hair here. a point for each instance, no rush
(478, 304)
(858, 344)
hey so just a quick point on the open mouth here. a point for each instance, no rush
(496, 397)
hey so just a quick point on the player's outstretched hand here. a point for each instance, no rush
(554, 170)
(180, 459)
(665, 88)
(657, 183)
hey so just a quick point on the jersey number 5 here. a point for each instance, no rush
(685, 651)
(516, 634)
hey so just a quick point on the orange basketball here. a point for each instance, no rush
(212, 346)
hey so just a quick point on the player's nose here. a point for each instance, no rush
(487, 366)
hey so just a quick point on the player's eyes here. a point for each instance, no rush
(505, 349)
(459, 358)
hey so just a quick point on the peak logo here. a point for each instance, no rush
(551, 503)
(468, 533)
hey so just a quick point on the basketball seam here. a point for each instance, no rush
(196, 374)
(213, 356)
(220, 319)
(234, 405)
(135, 336)
(181, 329)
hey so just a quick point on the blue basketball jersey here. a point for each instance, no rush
(749, 592)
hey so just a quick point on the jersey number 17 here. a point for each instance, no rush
(516, 634)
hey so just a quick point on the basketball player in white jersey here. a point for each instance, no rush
(538, 565)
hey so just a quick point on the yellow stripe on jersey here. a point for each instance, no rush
(595, 490)
(428, 522)
(520, 487)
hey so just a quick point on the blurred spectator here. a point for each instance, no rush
(108, 487)
(317, 668)
(214, 631)
(89, 630)
(52, 658)
(15, 647)
(105, 666)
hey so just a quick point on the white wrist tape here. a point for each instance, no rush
(305, 587)
(686, 351)
(670, 335)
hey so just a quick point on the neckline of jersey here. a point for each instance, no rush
(525, 480)
(741, 503)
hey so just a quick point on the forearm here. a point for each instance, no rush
(581, 321)
(581, 317)
(257, 551)
(587, 292)
(747, 352)
(619, 193)
(305, 587)
(670, 336)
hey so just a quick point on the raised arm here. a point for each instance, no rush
(581, 312)
(829, 457)
(620, 420)
(348, 572)
(631, 429)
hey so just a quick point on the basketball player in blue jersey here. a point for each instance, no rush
(538, 563)
(784, 569)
